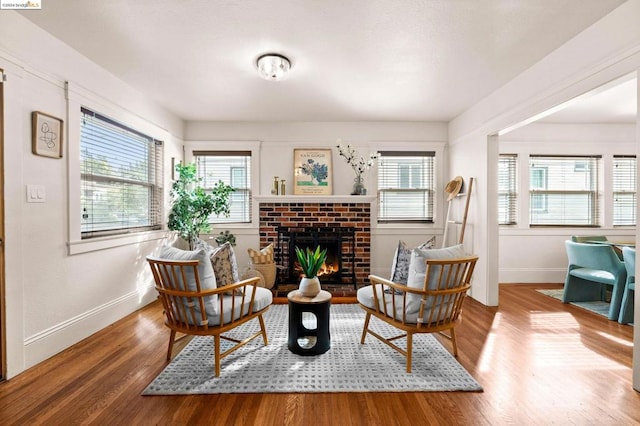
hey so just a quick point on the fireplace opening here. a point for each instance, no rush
(339, 243)
(331, 270)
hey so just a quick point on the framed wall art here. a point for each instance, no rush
(312, 172)
(46, 135)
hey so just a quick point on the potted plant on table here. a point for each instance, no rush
(192, 205)
(310, 261)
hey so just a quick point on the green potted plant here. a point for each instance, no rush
(191, 205)
(226, 236)
(310, 261)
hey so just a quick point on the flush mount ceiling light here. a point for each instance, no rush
(273, 66)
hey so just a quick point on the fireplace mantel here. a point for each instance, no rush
(315, 199)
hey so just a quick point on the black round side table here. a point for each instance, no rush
(319, 306)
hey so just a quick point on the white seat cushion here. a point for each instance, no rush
(365, 297)
(263, 298)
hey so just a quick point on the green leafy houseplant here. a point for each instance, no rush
(311, 260)
(191, 205)
(226, 236)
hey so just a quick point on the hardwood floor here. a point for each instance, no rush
(539, 361)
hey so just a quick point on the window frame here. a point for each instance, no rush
(594, 193)
(511, 192)
(246, 191)
(155, 173)
(433, 190)
(78, 97)
(229, 145)
(615, 193)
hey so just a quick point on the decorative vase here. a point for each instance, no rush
(309, 287)
(358, 186)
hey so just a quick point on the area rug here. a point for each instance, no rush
(347, 366)
(598, 307)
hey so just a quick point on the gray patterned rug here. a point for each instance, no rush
(597, 307)
(347, 367)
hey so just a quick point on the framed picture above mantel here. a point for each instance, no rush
(312, 169)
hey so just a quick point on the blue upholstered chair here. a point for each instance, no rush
(587, 238)
(626, 308)
(596, 238)
(591, 268)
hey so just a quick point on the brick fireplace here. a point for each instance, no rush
(354, 216)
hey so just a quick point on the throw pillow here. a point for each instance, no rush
(205, 273)
(225, 267)
(402, 258)
(261, 256)
(418, 270)
(223, 261)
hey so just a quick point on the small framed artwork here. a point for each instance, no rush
(312, 172)
(46, 135)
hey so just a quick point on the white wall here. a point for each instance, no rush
(54, 299)
(537, 255)
(278, 140)
(603, 52)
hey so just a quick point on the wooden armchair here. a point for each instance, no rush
(193, 309)
(434, 308)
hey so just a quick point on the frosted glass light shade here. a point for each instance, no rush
(273, 66)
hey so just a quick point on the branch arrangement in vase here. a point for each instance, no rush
(358, 163)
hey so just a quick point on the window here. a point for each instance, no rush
(539, 182)
(121, 178)
(624, 190)
(406, 186)
(507, 189)
(232, 168)
(564, 190)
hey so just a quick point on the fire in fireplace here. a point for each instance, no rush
(331, 265)
(339, 243)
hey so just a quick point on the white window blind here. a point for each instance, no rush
(406, 186)
(233, 168)
(507, 189)
(563, 190)
(624, 189)
(121, 178)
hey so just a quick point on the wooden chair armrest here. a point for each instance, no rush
(220, 290)
(254, 281)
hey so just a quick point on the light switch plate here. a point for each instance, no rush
(36, 194)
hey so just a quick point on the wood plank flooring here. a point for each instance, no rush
(540, 362)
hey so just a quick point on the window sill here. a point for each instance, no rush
(102, 243)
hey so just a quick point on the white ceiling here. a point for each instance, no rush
(615, 102)
(353, 60)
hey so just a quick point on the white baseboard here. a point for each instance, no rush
(531, 275)
(53, 340)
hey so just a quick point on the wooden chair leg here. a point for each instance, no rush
(172, 338)
(264, 330)
(453, 342)
(216, 354)
(409, 351)
(366, 326)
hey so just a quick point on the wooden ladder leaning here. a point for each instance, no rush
(463, 223)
